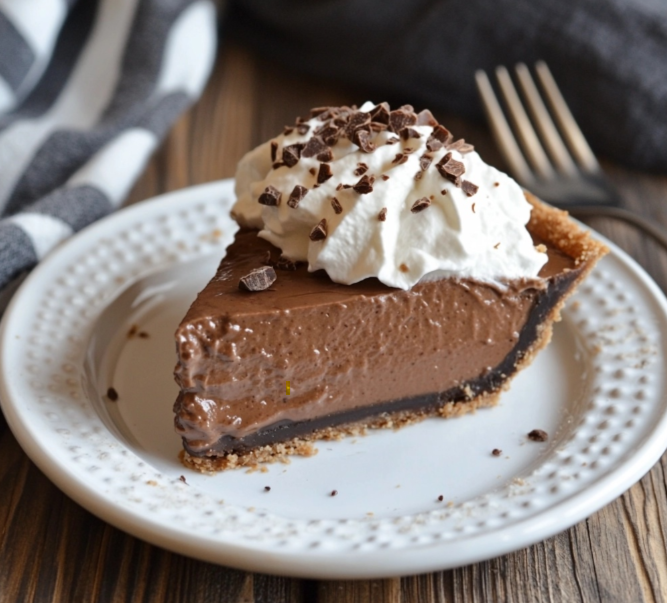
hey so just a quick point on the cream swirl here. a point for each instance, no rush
(415, 204)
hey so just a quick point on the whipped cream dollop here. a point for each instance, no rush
(387, 194)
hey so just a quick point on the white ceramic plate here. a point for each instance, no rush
(598, 390)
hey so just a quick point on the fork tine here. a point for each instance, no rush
(545, 125)
(524, 128)
(502, 132)
(568, 125)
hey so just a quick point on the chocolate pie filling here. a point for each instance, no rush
(348, 352)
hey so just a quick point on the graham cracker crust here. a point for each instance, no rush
(548, 223)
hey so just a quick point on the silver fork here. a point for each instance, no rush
(567, 178)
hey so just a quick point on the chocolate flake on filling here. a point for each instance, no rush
(302, 129)
(287, 130)
(274, 150)
(277, 164)
(313, 171)
(271, 196)
(420, 205)
(469, 188)
(324, 173)
(319, 232)
(365, 185)
(298, 193)
(382, 216)
(384, 177)
(496, 452)
(392, 140)
(538, 435)
(461, 146)
(362, 168)
(112, 394)
(473, 208)
(441, 498)
(337, 207)
(315, 111)
(400, 158)
(258, 279)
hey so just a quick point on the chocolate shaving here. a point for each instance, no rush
(319, 232)
(380, 113)
(384, 177)
(407, 133)
(392, 140)
(318, 111)
(362, 139)
(362, 168)
(439, 137)
(408, 108)
(466, 148)
(271, 196)
(337, 207)
(258, 279)
(339, 186)
(112, 394)
(292, 154)
(420, 205)
(425, 118)
(425, 162)
(456, 145)
(376, 126)
(357, 120)
(400, 158)
(324, 173)
(313, 147)
(451, 169)
(298, 193)
(330, 135)
(382, 216)
(274, 150)
(313, 170)
(401, 118)
(325, 155)
(287, 130)
(496, 452)
(538, 435)
(277, 164)
(419, 175)
(469, 188)
(441, 498)
(473, 208)
(302, 129)
(365, 185)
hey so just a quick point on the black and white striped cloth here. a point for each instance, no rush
(87, 90)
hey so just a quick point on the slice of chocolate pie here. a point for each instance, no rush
(395, 277)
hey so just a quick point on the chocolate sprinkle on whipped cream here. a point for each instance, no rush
(342, 157)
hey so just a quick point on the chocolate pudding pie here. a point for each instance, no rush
(383, 273)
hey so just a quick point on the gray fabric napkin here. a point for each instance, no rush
(87, 90)
(608, 56)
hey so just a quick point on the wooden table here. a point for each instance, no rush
(53, 550)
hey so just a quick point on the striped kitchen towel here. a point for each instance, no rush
(87, 90)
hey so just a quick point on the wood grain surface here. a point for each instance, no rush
(53, 550)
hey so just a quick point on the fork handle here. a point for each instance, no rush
(589, 211)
